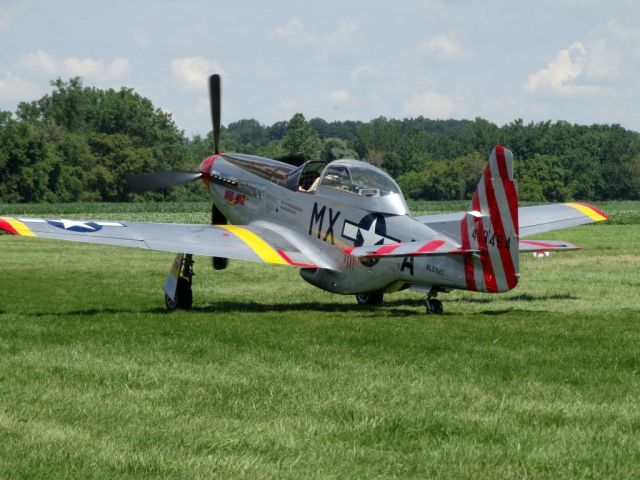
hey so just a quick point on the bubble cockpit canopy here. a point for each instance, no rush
(362, 185)
(359, 178)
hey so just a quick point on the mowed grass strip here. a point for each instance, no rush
(268, 376)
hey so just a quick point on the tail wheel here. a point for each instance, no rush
(371, 299)
(184, 296)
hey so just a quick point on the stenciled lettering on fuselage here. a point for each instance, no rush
(408, 265)
(289, 207)
(323, 229)
(488, 237)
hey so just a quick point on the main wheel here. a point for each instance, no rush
(184, 296)
(219, 263)
(371, 299)
(434, 306)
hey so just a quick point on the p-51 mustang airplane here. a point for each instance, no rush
(344, 224)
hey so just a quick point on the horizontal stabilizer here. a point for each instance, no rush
(407, 249)
(545, 245)
(532, 220)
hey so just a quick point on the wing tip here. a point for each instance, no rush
(591, 211)
(15, 227)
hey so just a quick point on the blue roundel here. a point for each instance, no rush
(75, 226)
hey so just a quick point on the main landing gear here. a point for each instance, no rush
(218, 218)
(370, 299)
(183, 299)
(434, 306)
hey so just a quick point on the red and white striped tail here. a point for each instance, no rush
(491, 226)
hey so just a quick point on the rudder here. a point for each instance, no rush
(491, 226)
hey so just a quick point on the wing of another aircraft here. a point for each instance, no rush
(532, 220)
(228, 241)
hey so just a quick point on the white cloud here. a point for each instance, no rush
(441, 47)
(559, 74)
(91, 68)
(293, 32)
(193, 72)
(14, 88)
(339, 96)
(346, 36)
(432, 104)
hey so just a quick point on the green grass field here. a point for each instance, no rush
(269, 377)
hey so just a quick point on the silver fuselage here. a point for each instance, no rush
(321, 224)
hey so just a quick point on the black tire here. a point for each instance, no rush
(434, 306)
(219, 263)
(184, 296)
(370, 299)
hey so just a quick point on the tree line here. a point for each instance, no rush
(81, 143)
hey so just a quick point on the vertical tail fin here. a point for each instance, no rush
(491, 226)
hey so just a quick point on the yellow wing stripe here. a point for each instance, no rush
(588, 211)
(19, 227)
(259, 246)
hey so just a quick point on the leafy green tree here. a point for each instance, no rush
(247, 132)
(334, 148)
(301, 140)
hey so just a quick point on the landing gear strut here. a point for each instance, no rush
(434, 306)
(218, 218)
(184, 296)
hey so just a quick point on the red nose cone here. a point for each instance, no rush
(205, 166)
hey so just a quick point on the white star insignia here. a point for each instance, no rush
(67, 224)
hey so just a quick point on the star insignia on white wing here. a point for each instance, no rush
(67, 224)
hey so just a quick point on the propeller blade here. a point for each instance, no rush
(214, 96)
(156, 181)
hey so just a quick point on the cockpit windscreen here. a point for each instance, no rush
(359, 178)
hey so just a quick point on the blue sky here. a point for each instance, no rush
(559, 60)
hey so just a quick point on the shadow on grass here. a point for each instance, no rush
(396, 308)
(525, 297)
(400, 307)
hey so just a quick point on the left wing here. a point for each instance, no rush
(228, 241)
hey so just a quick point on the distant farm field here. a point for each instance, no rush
(269, 377)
